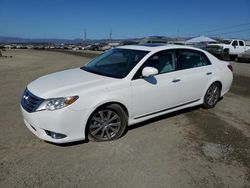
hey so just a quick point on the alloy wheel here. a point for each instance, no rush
(213, 94)
(104, 125)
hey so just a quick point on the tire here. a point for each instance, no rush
(225, 55)
(107, 123)
(233, 57)
(212, 95)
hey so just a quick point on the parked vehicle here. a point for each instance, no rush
(154, 40)
(93, 47)
(121, 87)
(228, 49)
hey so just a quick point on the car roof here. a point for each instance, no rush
(156, 47)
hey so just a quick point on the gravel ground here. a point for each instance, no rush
(242, 69)
(189, 148)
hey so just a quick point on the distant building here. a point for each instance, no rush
(247, 42)
(114, 44)
(7, 46)
(154, 40)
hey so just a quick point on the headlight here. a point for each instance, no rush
(220, 48)
(57, 103)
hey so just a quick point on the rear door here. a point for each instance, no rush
(194, 72)
(242, 47)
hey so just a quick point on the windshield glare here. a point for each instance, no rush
(115, 63)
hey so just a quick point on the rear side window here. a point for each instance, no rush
(191, 59)
(241, 43)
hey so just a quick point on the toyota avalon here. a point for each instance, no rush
(124, 86)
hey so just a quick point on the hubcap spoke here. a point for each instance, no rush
(102, 134)
(215, 90)
(113, 118)
(109, 114)
(95, 125)
(96, 119)
(96, 131)
(113, 129)
(212, 95)
(108, 134)
(114, 124)
(101, 115)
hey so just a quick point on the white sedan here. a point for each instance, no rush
(121, 87)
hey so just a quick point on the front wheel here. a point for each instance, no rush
(233, 57)
(107, 123)
(212, 95)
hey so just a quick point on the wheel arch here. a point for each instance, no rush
(101, 106)
(106, 103)
(209, 84)
(112, 102)
(218, 81)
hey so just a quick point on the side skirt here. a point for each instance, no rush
(167, 109)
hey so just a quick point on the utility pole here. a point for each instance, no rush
(110, 35)
(85, 35)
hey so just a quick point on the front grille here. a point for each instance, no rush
(30, 102)
(213, 48)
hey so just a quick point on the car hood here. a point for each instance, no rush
(67, 83)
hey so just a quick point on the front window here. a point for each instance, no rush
(116, 63)
(163, 61)
(235, 43)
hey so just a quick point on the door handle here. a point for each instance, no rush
(176, 80)
(209, 73)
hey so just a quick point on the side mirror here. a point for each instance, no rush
(149, 71)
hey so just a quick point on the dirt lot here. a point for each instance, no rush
(191, 148)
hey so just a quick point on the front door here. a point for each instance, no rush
(156, 93)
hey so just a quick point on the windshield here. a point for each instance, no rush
(116, 63)
(227, 41)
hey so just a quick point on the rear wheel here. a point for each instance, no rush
(107, 123)
(212, 95)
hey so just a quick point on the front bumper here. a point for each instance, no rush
(64, 121)
(215, 52)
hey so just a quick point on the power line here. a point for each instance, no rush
(238, 31)
(225, 28)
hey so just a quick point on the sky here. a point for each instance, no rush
(68, 19)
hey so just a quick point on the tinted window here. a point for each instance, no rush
(241, 43)
(115, 63)
(235, 43)
(226, 41)
(164, 62)
(191, 59)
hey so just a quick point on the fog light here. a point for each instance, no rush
(55, 135)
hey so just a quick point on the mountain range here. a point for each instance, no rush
(9, 40)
